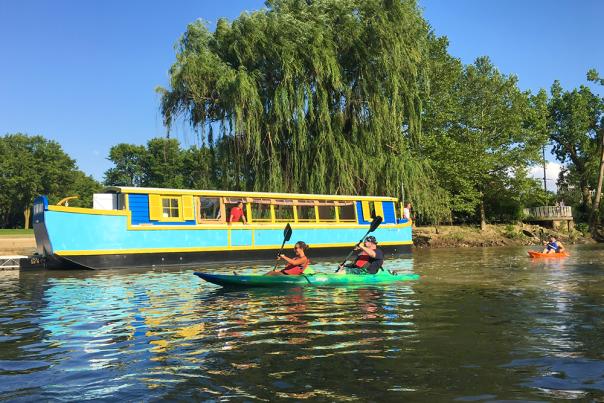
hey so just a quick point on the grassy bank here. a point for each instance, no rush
(493, 235)
(14, 233)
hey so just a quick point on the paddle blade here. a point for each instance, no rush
(375, 223)
(287, 233)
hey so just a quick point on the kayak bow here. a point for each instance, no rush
(318, 279)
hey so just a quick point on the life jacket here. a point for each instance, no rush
(362, 259)
(296, 268)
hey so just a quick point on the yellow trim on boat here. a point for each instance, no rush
(202, 249)
(266, 195)
(260, 226)
(81, 210)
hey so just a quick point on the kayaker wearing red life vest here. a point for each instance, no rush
(295, 266)
(369, 261)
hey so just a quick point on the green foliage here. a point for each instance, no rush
(128, 169)
(482, 134)
(574, 118)
(576, 124)
(32, 166)
(583, 228)
(318, 97)
(510, 231)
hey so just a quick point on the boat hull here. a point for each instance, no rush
(541, 255)
(196, 259)
(316, 280)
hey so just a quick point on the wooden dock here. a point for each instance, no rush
(11, 262)
(556, 216)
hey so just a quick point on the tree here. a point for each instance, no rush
(318, 97)
(484, 138)
(592, 75)
(128, 170)
(573, 125)
(32, 166)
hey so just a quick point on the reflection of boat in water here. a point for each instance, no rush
(537, 255)
(142, 227)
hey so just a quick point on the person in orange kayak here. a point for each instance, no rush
(295, 266)
(553, 246)
(368, 261)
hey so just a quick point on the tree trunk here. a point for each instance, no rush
(595, 211)
(483, 217)
(26, 215)
(585, 194)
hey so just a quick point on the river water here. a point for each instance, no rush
(480, 325)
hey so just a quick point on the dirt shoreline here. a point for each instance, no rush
(461, 236)
(457, 236)
(17, 245)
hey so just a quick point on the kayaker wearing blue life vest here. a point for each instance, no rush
(368, 261)
(295, 266)
(553, 246)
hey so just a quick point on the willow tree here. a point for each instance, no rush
(312, 96)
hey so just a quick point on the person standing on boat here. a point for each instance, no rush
(553, 246)
(407, 211)
(296, 265)
(368, 261)
(237, 214)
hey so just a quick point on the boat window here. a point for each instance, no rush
(306, 213)
(284, 213)
(209, 209)
(327, 213)
(347, 213)
(170, 207)
(261, 210)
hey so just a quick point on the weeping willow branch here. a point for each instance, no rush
(310, 96)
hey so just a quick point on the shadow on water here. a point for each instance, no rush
(481, 324)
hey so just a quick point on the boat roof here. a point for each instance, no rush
(228, 193)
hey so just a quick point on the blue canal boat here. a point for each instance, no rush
(141, 227)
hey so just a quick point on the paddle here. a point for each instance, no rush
(374, 224)
(287, 234)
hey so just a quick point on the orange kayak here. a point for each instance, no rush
(535, 254)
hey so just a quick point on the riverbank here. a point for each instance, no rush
(17, 244)
(462, 236)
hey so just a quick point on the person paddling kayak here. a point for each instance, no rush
(295, 266)
(368, 261)
(553, 246)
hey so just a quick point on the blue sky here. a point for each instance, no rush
(84, 72)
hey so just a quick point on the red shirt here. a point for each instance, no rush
(236, 214)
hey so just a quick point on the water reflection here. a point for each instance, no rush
(483, 324)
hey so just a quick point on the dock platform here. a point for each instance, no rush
(11, 262)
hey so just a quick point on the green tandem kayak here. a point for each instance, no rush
(317, 279)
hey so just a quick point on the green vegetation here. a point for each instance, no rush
(344, 97)
(18, 232)
(32, 166)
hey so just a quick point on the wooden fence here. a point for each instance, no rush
(549, 213)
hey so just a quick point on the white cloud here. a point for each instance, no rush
(552, 170)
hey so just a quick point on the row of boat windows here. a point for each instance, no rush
(215, 209)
